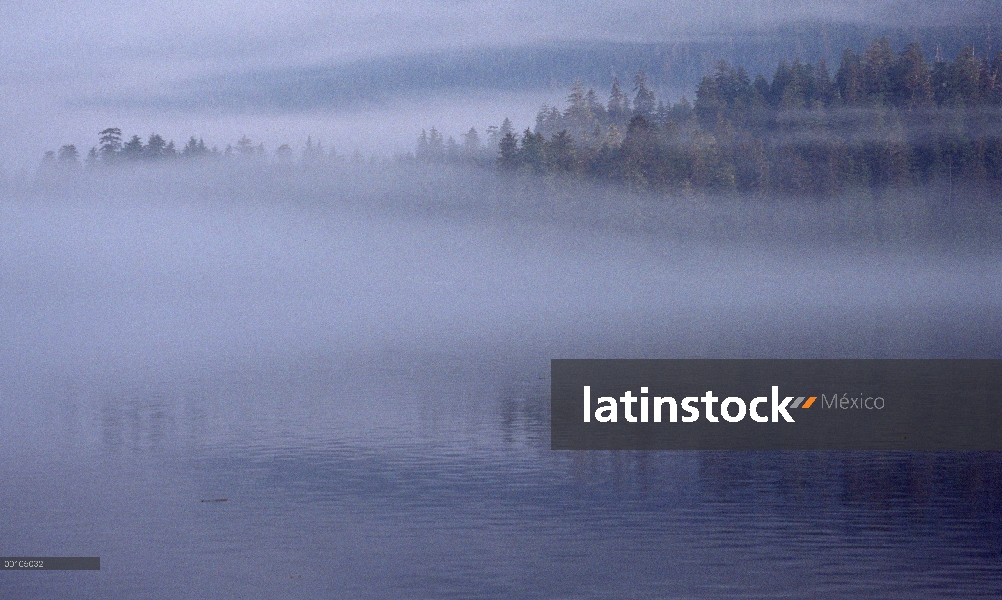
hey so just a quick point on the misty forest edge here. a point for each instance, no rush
(886, 119)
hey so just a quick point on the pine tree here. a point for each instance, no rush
(283, 154)
(577, 107)
(560, 153)
(68, 155)
(506, 128)
(313, 154)
(155, 148)
(639, 155)
(245, 147)
(493, 137)
(436, 146)
(911, 79)
(578, 117)
(471, 143)
(944, 90)
(110, 143)
(849, 79)
(508, 152)
(967, 77)
(194, 148)
(878, 61)
(619, 104)
(532, 152)
(595, 108)
(644, 101)
(827, 93)
(133, 149)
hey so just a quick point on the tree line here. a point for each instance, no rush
(883, 118)
(111, 150)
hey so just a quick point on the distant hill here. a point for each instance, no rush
(674, 66)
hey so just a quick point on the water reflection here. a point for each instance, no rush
(476, 505)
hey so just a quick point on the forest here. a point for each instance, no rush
(881, 119)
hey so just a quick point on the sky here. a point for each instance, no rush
(73, 68)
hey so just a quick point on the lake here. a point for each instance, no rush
(257, 382)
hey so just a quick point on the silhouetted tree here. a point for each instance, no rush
(471, 142)
(508, 152)
(245, 147)
(133, 149)
(68, 155)
(911, 79)
(966, 77)
(436, 146)
(849, 79)
(283, 154)
(110, 143)
(155, 148)
(618, 109)
(560, 152)
(643, 102)
(878, 60)
(506, 128)
(532, 152)
(826, 91)
(313, 154)
(194, 148)
(639, 154)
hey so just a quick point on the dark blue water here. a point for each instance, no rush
(459, 496)
(369, 394)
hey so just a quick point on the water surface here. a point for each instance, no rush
(359, 365)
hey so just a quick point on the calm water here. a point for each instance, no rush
(369, 393)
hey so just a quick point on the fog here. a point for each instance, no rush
(355, 357)
(329, 377)
(266, 279)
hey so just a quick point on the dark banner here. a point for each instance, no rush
(51, 563)
(776, 404)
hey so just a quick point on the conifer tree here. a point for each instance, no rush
(508, 152)
(619, 104)
(471, 142)
(644, 101)
(110, 143)
(155, 148)
(68, 155)
(911, 79)
(133, 149)
(849, 79)
(532, 151)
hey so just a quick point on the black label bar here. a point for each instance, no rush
(51, 563)
(776, 404)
